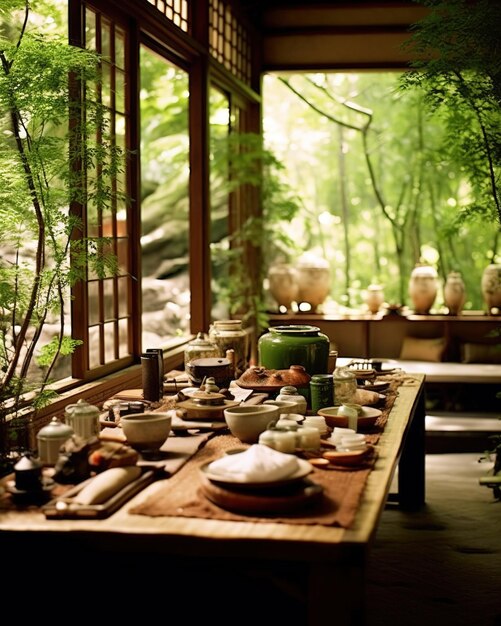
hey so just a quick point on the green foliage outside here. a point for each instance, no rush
(41, 160)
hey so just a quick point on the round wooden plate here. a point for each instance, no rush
(365, 421)
(286, 499)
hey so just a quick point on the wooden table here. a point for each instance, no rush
(93, 557)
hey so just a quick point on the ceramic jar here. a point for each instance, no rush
(423, 287)
(83, 418)
(345, 385)
(280, 439)
(50, 438)
(454, 293)
(314, 281)
(321, 391)
(230, 335)
(200, 348)
(374, 298)
(282, 284)
(297, 344)
(289, 392)
(491, 286)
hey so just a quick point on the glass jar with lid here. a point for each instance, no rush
(230, 335)
(200, 348)
(345, 385)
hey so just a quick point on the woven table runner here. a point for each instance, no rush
(182, 495)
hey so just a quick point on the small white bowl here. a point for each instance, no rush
(247, 422)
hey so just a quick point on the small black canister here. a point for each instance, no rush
(321, 391)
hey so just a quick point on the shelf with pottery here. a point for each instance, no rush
(469, 337)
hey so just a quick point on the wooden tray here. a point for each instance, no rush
(65, 508)
(288, 499)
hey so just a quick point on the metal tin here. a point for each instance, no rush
(321, 391)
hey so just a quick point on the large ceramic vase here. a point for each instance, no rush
(314, 281)
(454, 293)
(283, 287)
(296, 344)
(491, 287)
(423, 287)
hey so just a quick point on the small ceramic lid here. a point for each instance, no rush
(55, 430)
(82, 407)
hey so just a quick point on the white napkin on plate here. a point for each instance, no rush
(259, 463)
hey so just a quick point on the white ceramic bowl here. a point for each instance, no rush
(148, 430)
(247, 422)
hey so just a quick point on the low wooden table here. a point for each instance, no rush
(332, 559)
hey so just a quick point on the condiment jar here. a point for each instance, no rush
(308, 438)
(50, 438)
(283, 440)
(200, 348)
(345, 385)
(230, 335)
(83, 418)
(290, 393)
(317, 421)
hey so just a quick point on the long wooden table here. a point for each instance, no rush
(95, 557)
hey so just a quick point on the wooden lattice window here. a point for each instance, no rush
(229, 41)
(104, 317)
(174, 10)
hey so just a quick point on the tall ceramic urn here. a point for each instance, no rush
(423, 287)
(283, 287)
(454, 293)
(491, 287)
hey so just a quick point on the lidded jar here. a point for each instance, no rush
(50, 438)
(290, 393)
(200, 348)
(230, 335)
(295, 344)
(345, 385)
(83, 418)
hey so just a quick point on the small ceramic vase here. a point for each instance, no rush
(374, 298)
(454, 293)
(491, 287)
(423, 287)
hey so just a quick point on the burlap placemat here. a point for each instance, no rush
(183, 494)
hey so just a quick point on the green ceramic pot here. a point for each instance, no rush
(283, 346)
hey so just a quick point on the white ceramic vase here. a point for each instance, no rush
(423, 287)
(454, 293)
(491, 286)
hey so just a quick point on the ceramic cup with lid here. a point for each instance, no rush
(50, 438)
(83, 418)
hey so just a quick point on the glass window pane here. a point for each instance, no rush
(165, 199)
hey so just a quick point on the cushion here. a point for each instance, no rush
(417, 349)
(481, 353)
